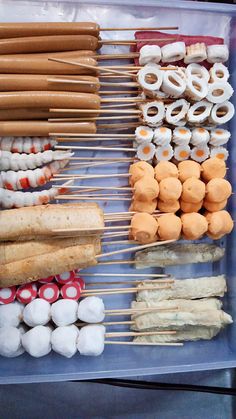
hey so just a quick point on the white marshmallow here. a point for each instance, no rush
(64, 312)
(91, 310)
(11, 314)
(91, 340)
(10, 342)
(37, 312)
(37, 341)
(64, 340)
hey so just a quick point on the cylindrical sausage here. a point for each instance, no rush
(41, 99)
(39, 64)
(44, 128)
(31, 114)
(15, 30)
(23, 82)
(54, 43)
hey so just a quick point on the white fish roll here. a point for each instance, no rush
(149, 53)
(195, 53)
(196, 88)
(177, 111)
(64, 312)
(181, 136)
(219, 91)
(150, 77)
(146, 151)
(164, 153)
(37, 312)
(91, 340)
(199, 112)
(173, 84)
(143, 134)
(197, 70)
(228, 112)
(162, 136)
(64, 340)
(219, 137)
(159, 109)
(37, 341)
(173, 52)
(200, 153)
(182, 152)
(91, 310)
(11, 314)
(6, 143)
(219, 152)
(217, 53)
(200, 136)
(10, 342)
(219, 72)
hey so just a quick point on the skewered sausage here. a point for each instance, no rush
(44, 128)
(13, 30)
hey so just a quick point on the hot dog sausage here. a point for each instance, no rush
(15, 30)
(52, 43)
(42, 99)
(39, 64)
(31, 114)
(44, 128)
(21, 82)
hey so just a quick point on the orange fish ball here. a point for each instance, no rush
(217, 190)
(143, 206)
(190, 206)
(146, 189)
(194, 225)
(213, 168)
(170, 189)
(219, 224)
(214, 206)
(165, 169)
(169, 227)
(189, 168)
(193, 190)
(170, 206)
(144, 228)
(140, 169)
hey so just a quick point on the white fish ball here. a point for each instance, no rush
(64, 312)
(91, 310)
(37, 341)
(10, 342)
(64, 340)
(91, 340)
(11, 314)
(37, 312)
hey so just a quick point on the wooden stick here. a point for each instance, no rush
(133, 42)
(113, 342)
(131, 289)
(117, 262)
(119, 242)
(78, 230)
(84, 177)
(90, 198)
(111, 274)
(125, 212)
(92, 118)
(92, 111)
(150, 281)
(94, 294)
(156, 28)
(93, 140)
(111, 235)
(135, 334)
(120, 312)
(121, 323)
(112, 188)
(100, 135)
(135, 248)
(90, 67)
(63, 147)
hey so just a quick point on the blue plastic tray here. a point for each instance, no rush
(117, 361)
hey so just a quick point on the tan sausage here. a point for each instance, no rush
(54, 43)
(42, 266)
(43, 219)
(15, 30)
(13, 251)
(44, 128)
(23, 82)
(39, 64)
(31, 114)
(40, 99)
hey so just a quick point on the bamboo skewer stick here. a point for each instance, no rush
(109, 188)
(90, 198)
(127, 311)
(130, 290)
(94, 135)
(156, 28)
(106, 111)
(135, 248)
(72, 177)
(133, 42)
(62, 147)
(105, 274)
(113, 342)
(135, 334)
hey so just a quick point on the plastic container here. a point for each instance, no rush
(116, 361)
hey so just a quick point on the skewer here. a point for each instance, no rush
(63, 147)
(72, 177)
(111, 235)
(135, 248)
(106, 111)
(163, 28)
(90, 198)
(91, 140)
(111, 188)
(127, 311)
(94, 135)
(134, 42)
(113, 342)
(91, 118)
(135, 334)
(87, 166)
(131, 290)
